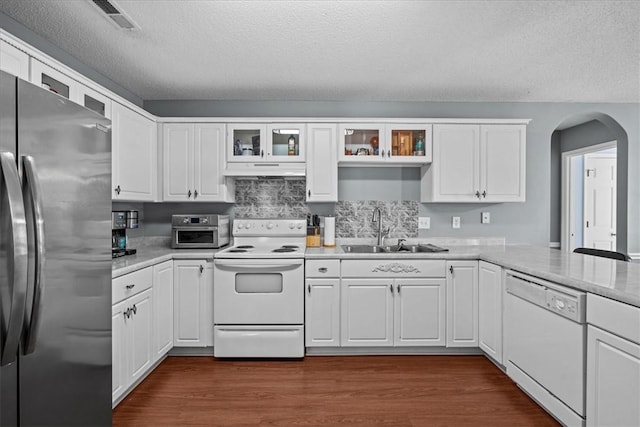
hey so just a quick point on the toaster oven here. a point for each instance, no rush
(199, 231)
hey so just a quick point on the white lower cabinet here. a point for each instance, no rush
(162, 309)
(389, 303)
(322, 313)
(490, 289)
(132, 354)
(462, 303)
(613, 363)
(193, 303)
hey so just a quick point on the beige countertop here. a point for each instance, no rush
(617, 280)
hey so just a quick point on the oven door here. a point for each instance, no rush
(194, 237)
(258, 291)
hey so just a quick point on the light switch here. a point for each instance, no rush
(486, 217)
(455, 222)
(424, 222)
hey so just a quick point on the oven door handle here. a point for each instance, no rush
(256, 265)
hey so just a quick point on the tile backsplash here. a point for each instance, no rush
(271, 198)
(353, 218)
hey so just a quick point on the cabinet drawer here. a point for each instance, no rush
(322, 268)
(393, 268)
(614, 316)
(130, 284)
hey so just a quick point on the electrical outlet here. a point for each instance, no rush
(455, 221)
(486, 217)
(424, 222)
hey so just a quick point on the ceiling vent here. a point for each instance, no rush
(115, 15)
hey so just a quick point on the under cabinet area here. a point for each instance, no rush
(193, 303)
(133, 154)
(476, 164)
(193, 163)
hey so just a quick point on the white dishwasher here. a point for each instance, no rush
(545, 338)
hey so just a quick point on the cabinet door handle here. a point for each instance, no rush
(135, 309)
(382, 153)
(201, 268)
(189, 194)
(389, 154)
(478, 194)
(195, 194)
(391, 289)
(309, 193)
(117, 190)
(451, 269)
(261, 153)
(398, 289)
(322, 269)
(309, 288)
(484, 193)
(127, 314)
(131, 286)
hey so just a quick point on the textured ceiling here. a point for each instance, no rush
(558, 51)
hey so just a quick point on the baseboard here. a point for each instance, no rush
(390, 351)
(554, 245)
(191, 351)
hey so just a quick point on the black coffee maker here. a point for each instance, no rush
(120, 222)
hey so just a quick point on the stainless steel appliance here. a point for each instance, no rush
(55, 268)
(545, 337)
(121, 221)
(199, 231)
(259, 290)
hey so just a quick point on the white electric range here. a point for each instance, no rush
(258, 292)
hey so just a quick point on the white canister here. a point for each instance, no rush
(330, 231)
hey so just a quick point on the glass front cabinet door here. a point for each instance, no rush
(285, 142)
(245, 142)
(361, 143)
(95, 101)
(409, 143)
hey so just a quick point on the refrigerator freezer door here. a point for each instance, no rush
(67, 379)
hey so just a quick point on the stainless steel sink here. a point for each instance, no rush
(364, 249)
(375, 249)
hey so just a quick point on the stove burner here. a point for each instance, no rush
(245, 247)
(284, 249)
(290, 246)
(237, 250)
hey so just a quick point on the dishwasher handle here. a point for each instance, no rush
(528, 291)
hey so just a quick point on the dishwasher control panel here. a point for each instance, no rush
(562, 304)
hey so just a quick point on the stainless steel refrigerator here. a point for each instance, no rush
(55, 262)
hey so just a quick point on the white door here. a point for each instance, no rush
(367, 312)
(188, 294)
(502, 163)
(141, 335)
(46, 77)
(462, 303)
(600, 201)
(178, 162)
(162, 308)
(613, 380)
(456, 162)
(14, 61)
(208, 163)
(490, 309)
(286, 142)
(322, 166)
(420, 312)
(322, 313)
(119, 350)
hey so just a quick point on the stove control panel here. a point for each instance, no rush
(269, 227)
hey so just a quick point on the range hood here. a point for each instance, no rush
(266, 169)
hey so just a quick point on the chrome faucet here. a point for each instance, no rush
(376, 219)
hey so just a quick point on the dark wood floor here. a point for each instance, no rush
(354, 390)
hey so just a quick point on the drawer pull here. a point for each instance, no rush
(322, 269)
(130, 286)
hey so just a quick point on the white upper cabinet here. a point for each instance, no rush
(476, 163)
(95, 101)
(322, 165)
(285, 142)
(260, 142)
(14, 61)
(134, 155)
(392, 143)
(193, 160)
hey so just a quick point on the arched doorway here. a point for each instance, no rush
(572, 139)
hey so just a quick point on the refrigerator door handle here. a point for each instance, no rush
(18, 258)
(35, 220)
